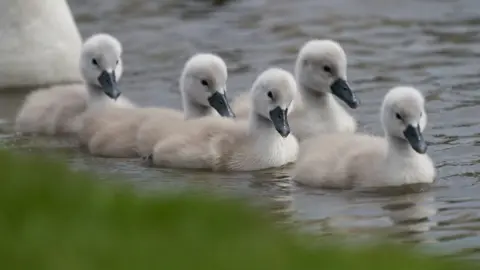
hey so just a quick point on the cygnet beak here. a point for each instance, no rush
(279, 120)
(415, 139)
(108, 83)
(341, 89)
(219, 102)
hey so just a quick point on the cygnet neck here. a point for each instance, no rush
(399, 146)
(314, 98)
(193, 109)
(261, 125)
(96, 95)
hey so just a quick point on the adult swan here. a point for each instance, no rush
(39, 44)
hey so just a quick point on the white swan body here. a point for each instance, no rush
(49, 111)
(203, 90)
(264, 141)
(52, 110)
(321, 72)
(102, 67)
(360, 160)
(40, 44)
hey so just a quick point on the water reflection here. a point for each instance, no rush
(352, 212)
(412, 214)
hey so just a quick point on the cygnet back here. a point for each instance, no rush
(361, 160)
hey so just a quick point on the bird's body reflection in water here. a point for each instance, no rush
(407, 212)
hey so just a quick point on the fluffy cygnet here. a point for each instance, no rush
(49, 111)
(203, 90)
(53, 110)
(264, 141)
(320, 70)
(360, 160)
(101, 66)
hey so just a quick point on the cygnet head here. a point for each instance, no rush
(204, 83)
(272, 97)
(321, 67)
(101, 63)
(404, 117)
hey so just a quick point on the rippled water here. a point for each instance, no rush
(432, 44)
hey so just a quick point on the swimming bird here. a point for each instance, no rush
(321, 74)
(102, 67)
(203, 87)
(361, 160)
(51, 111)
(264, 141)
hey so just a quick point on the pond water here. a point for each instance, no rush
(431, 44)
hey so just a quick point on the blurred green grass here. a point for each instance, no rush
(52, 218)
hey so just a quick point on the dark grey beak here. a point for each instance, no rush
(341, 89)
(415, 138)
(108, 83)
(279, 120)
(220, 103)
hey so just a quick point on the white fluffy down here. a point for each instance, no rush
(225, 144)
(128, 133)
(316, 110)
(53, 110)
(361, 160)
(49, 111)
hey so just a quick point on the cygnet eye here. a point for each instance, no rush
(327, 69)
(94, 62)
(270, 94)
(399, 117)
(117, 62)
(204, 82)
